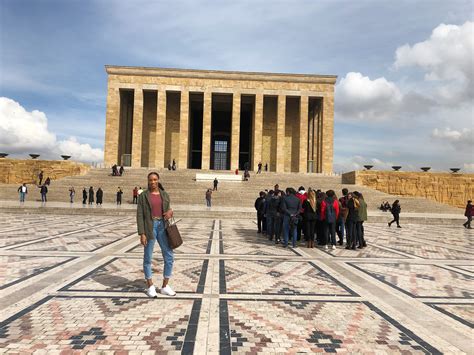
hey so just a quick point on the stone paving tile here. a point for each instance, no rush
(90, 240)
(469, 268)
(314, 327)
(421, 281)
(15, 269)
(278, 277)
(97, 323)
(192, 246)
(126, 275)
(462, 312)
(371, 251)
(263, 248)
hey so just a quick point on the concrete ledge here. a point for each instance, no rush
(220, 177)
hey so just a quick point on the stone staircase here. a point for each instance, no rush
(184, 190)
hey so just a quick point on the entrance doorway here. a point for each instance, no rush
(221, 118)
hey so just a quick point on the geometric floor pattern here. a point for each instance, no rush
(75, 284)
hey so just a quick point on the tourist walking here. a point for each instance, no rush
(72, 193)
(469, 212)
(119, 196)
(91, 195)
(329, 216)
(98, 196)
(309, 217)
(43, 191)
(40, 177)
(135, 195)
(152, 211)
(216, 182)
(266, 166)
(291, 206)
(362, 217)
(396, 209)
(260, 207)
(47, 181)
(121, 170)
(209, 198)
(259, 171)
(22, 190)
(173, 166)
(84, 196)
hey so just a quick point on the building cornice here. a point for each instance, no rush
(220, 74)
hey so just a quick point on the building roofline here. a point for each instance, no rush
(219, 74)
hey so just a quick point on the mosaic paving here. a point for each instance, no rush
(126, 275)
(75, 283)
(421, 280)
(279, 277)
(98, 323)
(462, 312)
(315, 327)
(17, 272)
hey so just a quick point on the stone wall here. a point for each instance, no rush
(16, 171)
(451, 189)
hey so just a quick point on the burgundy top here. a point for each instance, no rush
(156, 205)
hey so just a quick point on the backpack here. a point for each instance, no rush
(330, 212)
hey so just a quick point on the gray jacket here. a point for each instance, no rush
(291, 205)
(144, 218)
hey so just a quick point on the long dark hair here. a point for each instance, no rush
(158, 176)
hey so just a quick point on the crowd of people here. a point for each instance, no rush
(320, 218)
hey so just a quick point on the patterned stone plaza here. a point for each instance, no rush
(74, 283)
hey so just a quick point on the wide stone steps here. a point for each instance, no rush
(185, 190)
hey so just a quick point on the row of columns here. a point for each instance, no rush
(256, 153)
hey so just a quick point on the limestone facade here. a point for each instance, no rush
(18, 171)
(451, 189)
(207, 119)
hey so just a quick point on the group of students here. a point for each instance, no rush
(319, 216)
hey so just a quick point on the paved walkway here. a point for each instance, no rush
(74, 282)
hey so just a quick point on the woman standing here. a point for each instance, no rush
(98, 196)
(91, 195)
(119, 196)
(396, 213)
(309, 217)
(152, 211)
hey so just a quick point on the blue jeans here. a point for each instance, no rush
(340, 228)
(22, 196)
(287, 229)
(43, 198)
(159, 234)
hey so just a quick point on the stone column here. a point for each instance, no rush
(327, 141)
(183, 130)
(303, 154)
(235, 135)
(206, 130)
(160, 129)
(137, 128)
(257, 131)
(112, 127)
(280, 136)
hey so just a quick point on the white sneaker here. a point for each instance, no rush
(151, 291)
(326, 247)
(168, 291)
(333, 247)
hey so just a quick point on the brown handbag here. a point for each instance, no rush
(174, 237)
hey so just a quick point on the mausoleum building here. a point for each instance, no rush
(208, 119)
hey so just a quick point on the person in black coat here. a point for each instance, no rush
(260, 207)
(119, 196)
(351, 222)
(395, 213)
(91, 195)
(84, 196)
(309, 217)
(98, 196)
(43, 191)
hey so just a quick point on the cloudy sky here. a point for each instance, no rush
(405, 69)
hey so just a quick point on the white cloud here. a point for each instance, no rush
(357, 162)
(469, 167)
(447, 56)
(23, 132)
(360, 98)
(461, 140)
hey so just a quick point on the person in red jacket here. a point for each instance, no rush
(329, 216)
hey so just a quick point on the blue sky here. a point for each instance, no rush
(395, 108)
